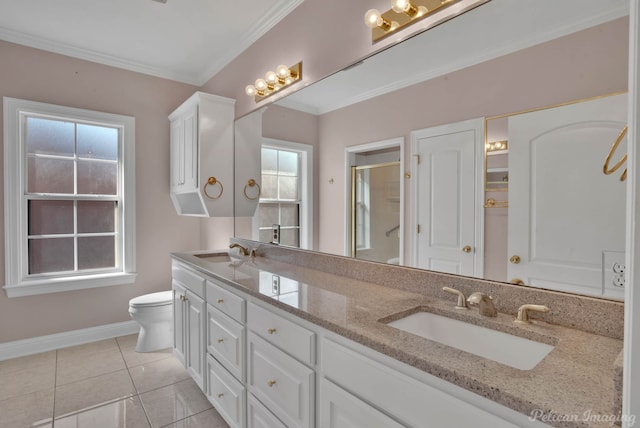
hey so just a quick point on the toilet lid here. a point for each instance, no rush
(153, 299)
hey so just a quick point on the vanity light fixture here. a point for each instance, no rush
(497, 146)
(407, 12)
(274, 81)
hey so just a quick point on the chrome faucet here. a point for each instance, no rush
(484, 304)
(241, 249)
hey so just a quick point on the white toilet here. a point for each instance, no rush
(154, 313)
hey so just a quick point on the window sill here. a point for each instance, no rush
(55, 285)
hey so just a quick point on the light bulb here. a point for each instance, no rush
(250, 90)
(282, 71)
(260, 84)
(270, 77)
(372, 17)
(404, 6)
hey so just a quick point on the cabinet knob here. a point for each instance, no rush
(271, 383)
(271, 330)
(466, 249)
(220, 395)
(220, 301)
(220, 340)
(515, 259)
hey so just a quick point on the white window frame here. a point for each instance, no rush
(306, 188)
(17, 281)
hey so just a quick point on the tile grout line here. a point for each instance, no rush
(144, 408)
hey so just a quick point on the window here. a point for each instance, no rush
(286, 188)
(69, 195)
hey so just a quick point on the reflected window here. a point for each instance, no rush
(281, 197)
(73, 198)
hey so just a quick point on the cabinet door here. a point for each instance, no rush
(259, 417)
(190, 125)
(225, 341)
(284, 385)
(179, 324)
(177, 155)
(339, 409)
(196, 317)
(226, 394)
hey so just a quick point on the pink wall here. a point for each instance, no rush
(40, 76)
(327, 35)
(586, 64)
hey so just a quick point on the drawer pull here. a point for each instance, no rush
(271, 383)
(220, 340)
(271, 330)
(220, 300)
(220, 395)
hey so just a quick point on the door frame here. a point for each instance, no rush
(631, 372)
(478, 127)
(349, 160)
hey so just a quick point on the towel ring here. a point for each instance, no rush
(614, 147)
(213, 181)
(252, 183)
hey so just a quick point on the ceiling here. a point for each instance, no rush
(184, 40)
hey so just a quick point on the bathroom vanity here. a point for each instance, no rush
(292, 338)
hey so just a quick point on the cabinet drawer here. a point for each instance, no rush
(225, 341)
(226, 393)
(338, 408)
(259, 417)
(284, 385)
(409, 400)
(190, 280)
(288, 336)
(226, 301)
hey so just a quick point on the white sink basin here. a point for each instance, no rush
(503, 348)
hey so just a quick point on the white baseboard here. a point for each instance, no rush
(35, 345)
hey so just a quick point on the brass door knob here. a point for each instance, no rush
(271, 383)
(271, 330)
(220, 301)
(515, 259)
(466, 249)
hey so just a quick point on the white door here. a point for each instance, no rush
(446, 183)
(566, 218)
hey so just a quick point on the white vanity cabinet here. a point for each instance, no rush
(189, 318)
(265, 367)
(226, 355)
(338, 409)
(280, 353)
(201, 178)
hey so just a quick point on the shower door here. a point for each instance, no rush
(375, 212)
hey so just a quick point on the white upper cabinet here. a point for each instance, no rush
(202, 156)
(248, 146)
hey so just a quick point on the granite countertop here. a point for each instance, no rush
(572, 386)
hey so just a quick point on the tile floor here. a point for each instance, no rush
(104, 384)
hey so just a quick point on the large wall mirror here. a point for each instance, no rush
(540, 211)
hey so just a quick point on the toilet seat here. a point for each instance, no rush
(161, 298)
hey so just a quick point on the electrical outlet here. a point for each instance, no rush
(618, 280)
(275, 234)
(618, 267)
(613, 272)
(275, 284)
